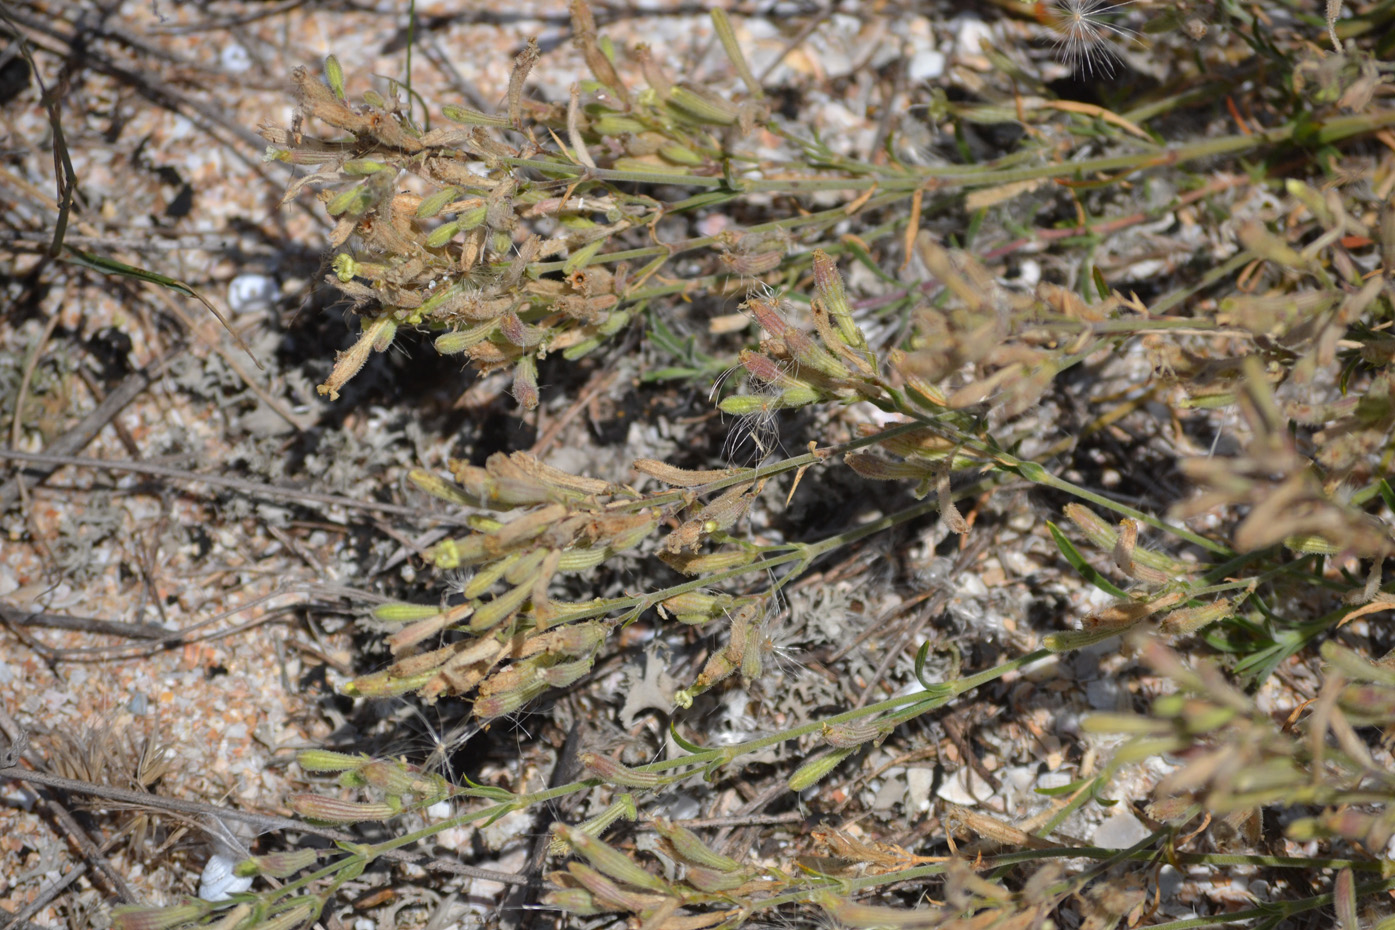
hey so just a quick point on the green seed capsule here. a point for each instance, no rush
(609, 861)
(681, 154)
(703, 107)
(353, 201)
(622, 807)
(811, 773)
(742, 405)
(385, 684)
(442, 234)
(500, 609)
(714, 881)
(576, 901)
(404, 613)
(455, 553)
(337, 810)
(612, 124)
(692, 849)
(484, 579)
(461, 340)
(434, 204)
(334, 76)
(582, 255)
(471, 117)
(567, 673)
(277, 865)
(851, 735)
(302, 913)
(614, 773)
(325, 760)
(362, 167)
(140, 917)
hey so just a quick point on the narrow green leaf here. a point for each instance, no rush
(678, 738)
(1077, 561)
(1387, 493)
(112, 266)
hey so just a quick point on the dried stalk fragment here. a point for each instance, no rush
(584, 35)
(521, 66)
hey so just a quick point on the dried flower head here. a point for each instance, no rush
(1086, 33)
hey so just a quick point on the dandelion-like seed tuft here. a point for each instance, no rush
(1086, 33)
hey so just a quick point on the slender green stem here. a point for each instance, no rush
(939, 177)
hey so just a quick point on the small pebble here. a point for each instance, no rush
(970, 36)
(234, 58)
(249, 293)
(1120, 831)
(926, 65)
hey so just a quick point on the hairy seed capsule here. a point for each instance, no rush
(579, 560)
(396, 779)
(828, 288)
(325, 760)
(278, 864)
(334, 76)
(362, 167)
(613, 124)
(580, 257)
(484, 579)
(622, 807)
(404, 613)
(1190, 619)
(300, 914)
(576, 901)
(811, 773)
(495, 612)
(809, 354)
(353, 201)
(851, 735)
(566, 673)
(386, 684)
(472, 117)
(461, 340)
(442, 234)
(609, 894)
(692, 849)
(715, 881)
(570, 640)
(435, 203)
(709, 564)
(457, 553)
(487, 707)
(140, 917)
(609, 861)
(801, 395)
(706, 108)
(337, 810)
(614, 773)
